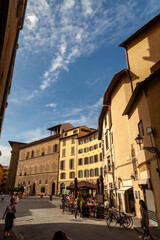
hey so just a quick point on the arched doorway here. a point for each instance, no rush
(34, 188)
(53, 188)
(62, 188)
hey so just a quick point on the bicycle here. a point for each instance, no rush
(122, 219)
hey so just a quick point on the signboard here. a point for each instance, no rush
(99, 198)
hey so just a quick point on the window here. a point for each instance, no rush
(95, 146)
(85, 149)
(90, 139)
(63, 152)
(80, 142)
(86, 160)
(106, 138)
(109, 163)
(37, 152)
(71, 164)
(39, 181)
(30, 170)
(49, 149)
(72, 175)
(112, 138)
(64, 142)
(90, 148)
(86, 173)
(100, 157)
(42, 152)
(80, 151)
(46, 181)
(100, 145)
(47, 167)
(80, 174)
(35, 169)
(84, 130)
(73, 141)
(54, 167)
(96, 172)
(56, 148)
(75, 131)
(25, 171)
(101, 171)
(95, 136)
(91, 159)
(28, 182)
(63, 175)
(22, 156)
(62, 165)
(72, 151)
(86, 140)
(41, 168)
(27, 156)
(91, 173)
(65, 134)
(95, 158)
(80, 161)
(141, 129)
(32, 154)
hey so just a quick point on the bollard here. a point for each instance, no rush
(50, 197)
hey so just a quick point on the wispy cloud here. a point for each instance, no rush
(69, 29)
(93, 82)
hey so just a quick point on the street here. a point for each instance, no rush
(38, 219)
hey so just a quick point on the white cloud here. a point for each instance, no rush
(32, 21)
(52, 105)
(6, 155)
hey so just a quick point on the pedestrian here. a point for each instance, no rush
(106, 205)
(81, 206)
(75, 207)
(145, 219)
(60, 235)
(62, 204)
(10, 215)
(16, 198)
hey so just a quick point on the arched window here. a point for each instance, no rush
(49, 149)
(20, 172)
(30, 170)
(37, 153)
(54, 167)
(41, 168)
(25, 171)
(47, 167)
(35, 169)
(43, 151)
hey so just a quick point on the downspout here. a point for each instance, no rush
(128, 66)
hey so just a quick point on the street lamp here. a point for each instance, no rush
(139, 141)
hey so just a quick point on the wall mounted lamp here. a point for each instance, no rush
(139, 141)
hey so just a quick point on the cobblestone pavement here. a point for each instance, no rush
(39, 219)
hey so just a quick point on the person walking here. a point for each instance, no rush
(81, 206)
(145, 219)
(10, 215)
(62, 204)
(60, 235)
(75, 207)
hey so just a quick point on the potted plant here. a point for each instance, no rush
(42, 191)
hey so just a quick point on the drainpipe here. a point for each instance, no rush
(128, 66)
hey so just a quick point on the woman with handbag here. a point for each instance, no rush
(10, 215)
(145, 219)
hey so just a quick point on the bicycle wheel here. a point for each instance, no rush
(111, 221)
(127, 222)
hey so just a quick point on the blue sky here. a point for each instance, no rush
(68, 53)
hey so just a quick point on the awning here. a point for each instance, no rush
(144, 181)
(123, 189)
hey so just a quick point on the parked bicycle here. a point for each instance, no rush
(119, 218)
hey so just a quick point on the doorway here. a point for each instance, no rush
(53, 188)
(34, 189)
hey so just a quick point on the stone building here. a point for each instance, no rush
(133, 97)
(38, 163)
(11, 22)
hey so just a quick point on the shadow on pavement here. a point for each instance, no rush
(12, 235)
(75, 231)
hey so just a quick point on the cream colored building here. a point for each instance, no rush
(105, 134)
(133, 96)
(80, 156)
